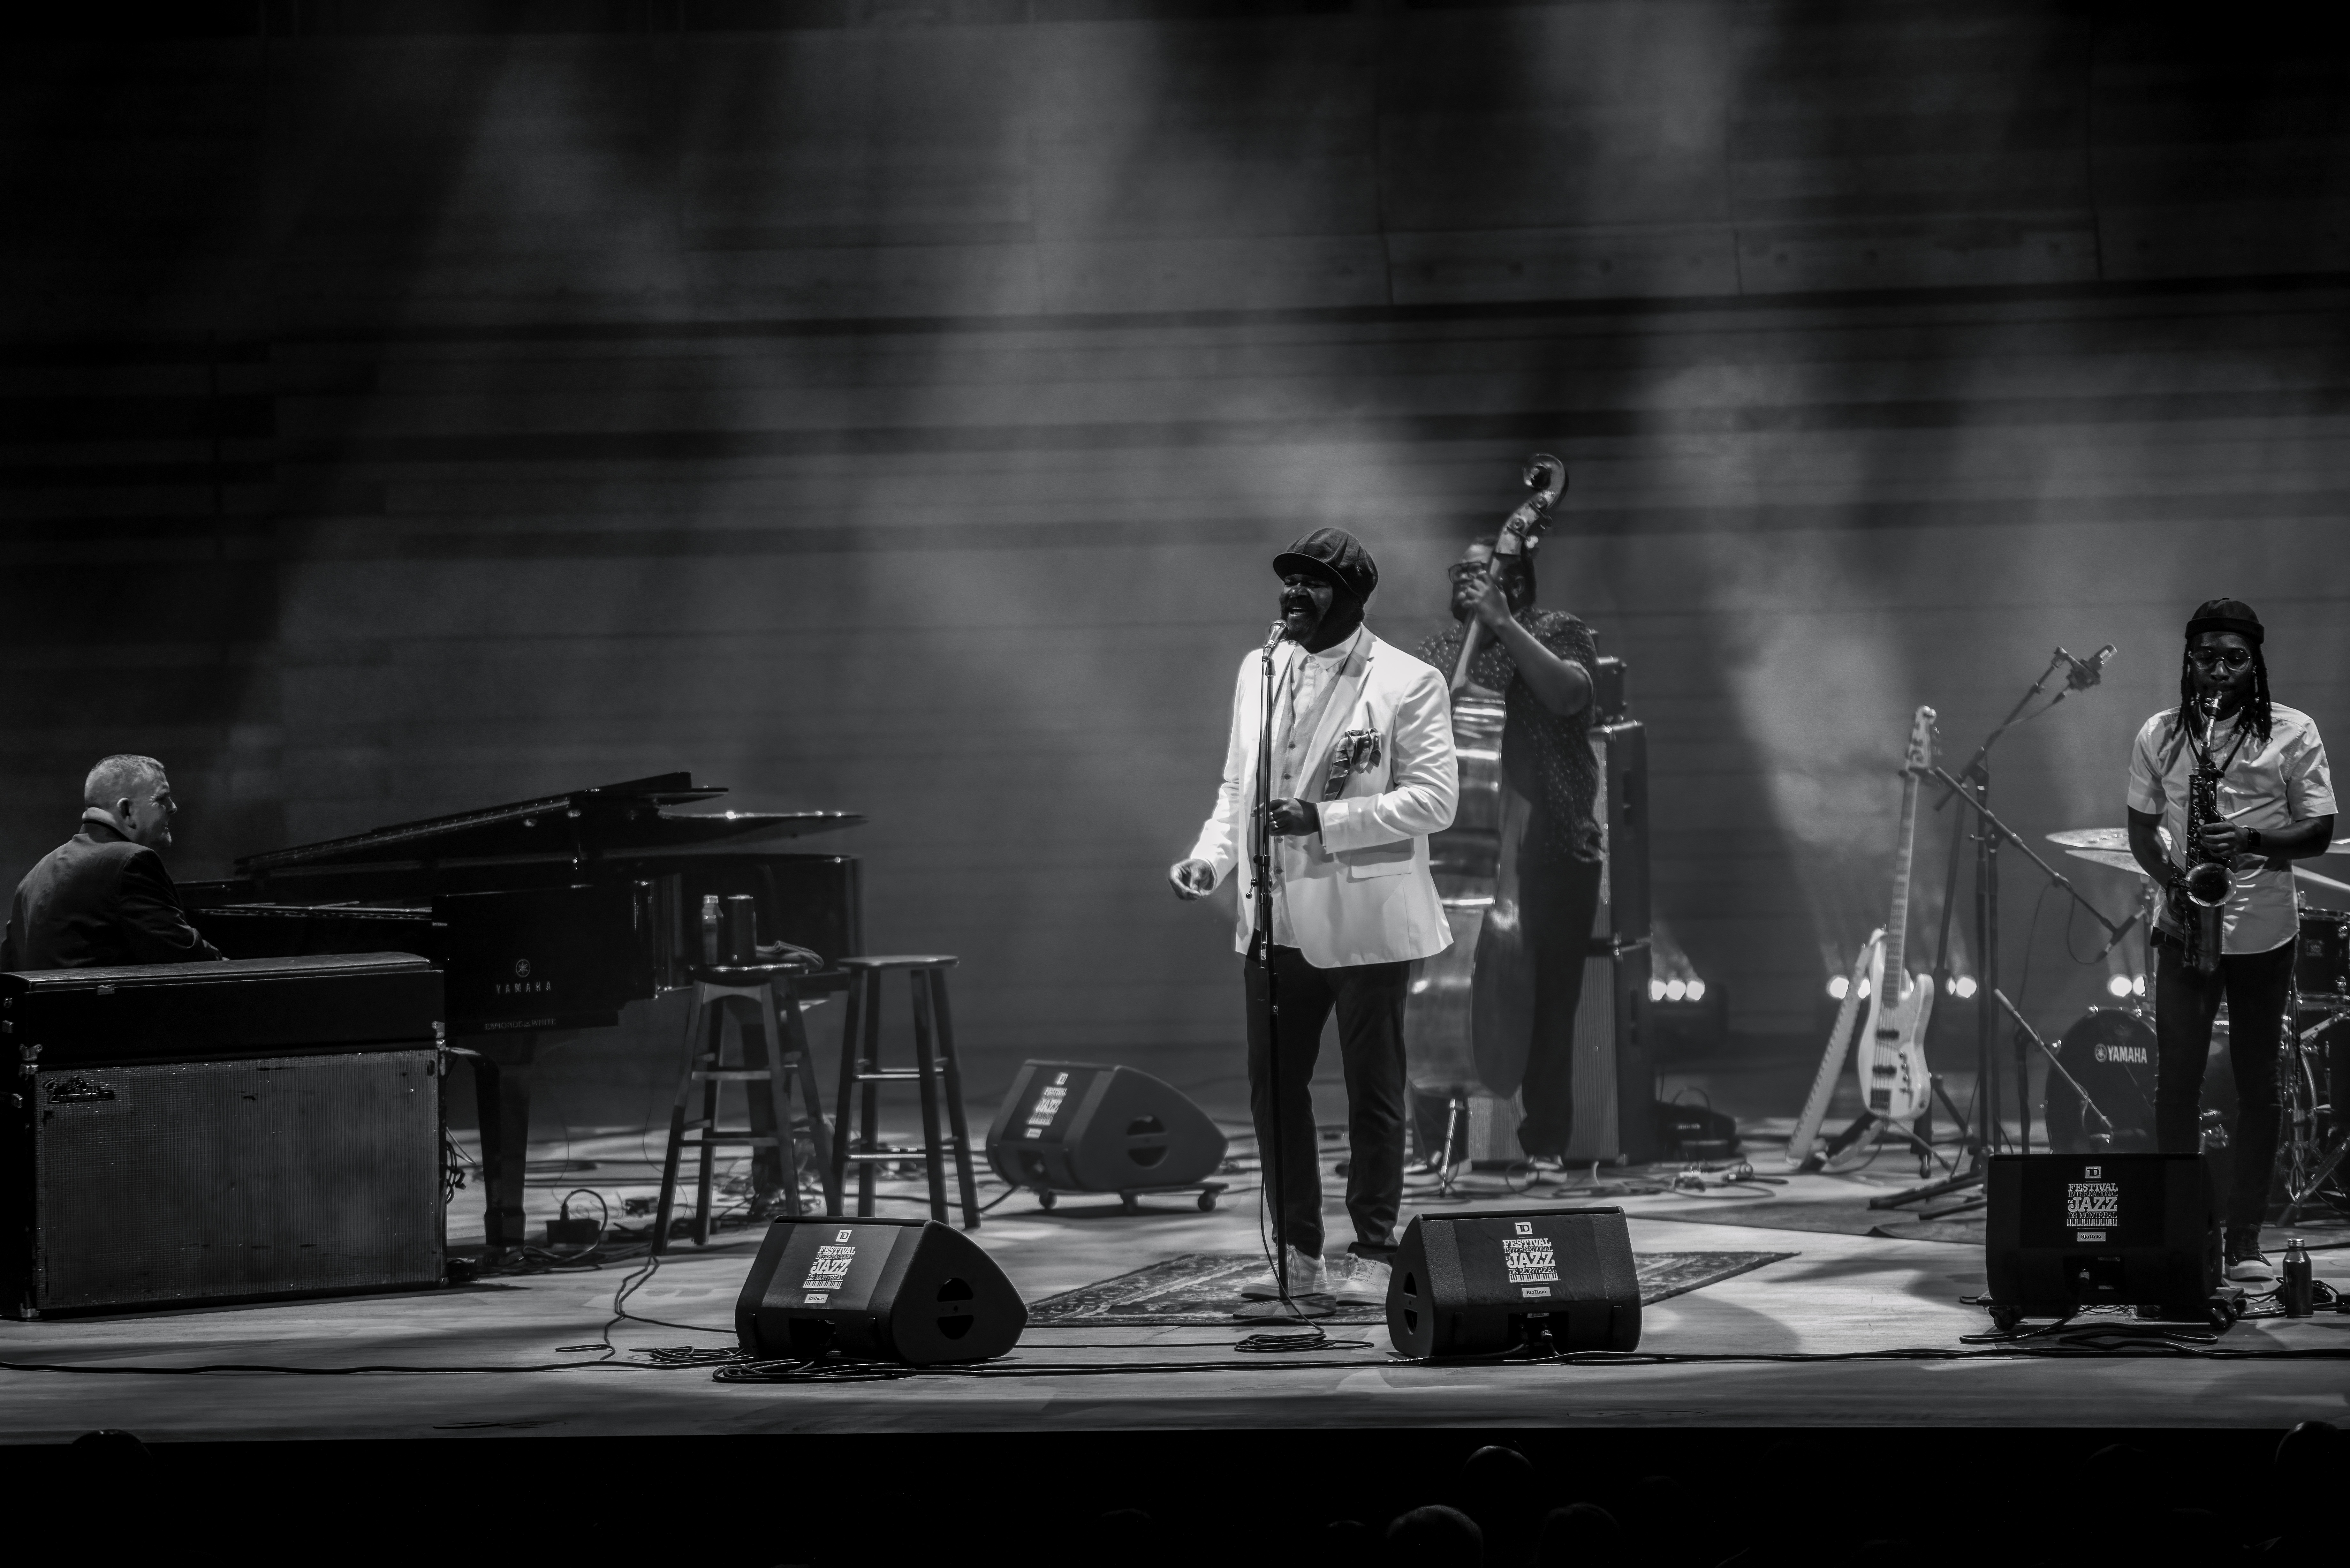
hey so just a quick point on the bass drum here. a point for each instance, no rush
(2111, 1054)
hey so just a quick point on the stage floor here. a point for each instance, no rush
(491, 1358)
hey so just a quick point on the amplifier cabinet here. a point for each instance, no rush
(196, 1132)
(1615, 1080)
(176, 1182)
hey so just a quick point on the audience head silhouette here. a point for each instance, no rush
(1436, 1537)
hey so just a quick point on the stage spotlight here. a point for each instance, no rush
(2138, 985)
(2117, 985)
(1697, 991)
(1837, 986)
(1864, 988)
(1655, 991)
(1675, 989)
(1966, 985)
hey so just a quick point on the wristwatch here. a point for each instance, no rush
(2252, 841)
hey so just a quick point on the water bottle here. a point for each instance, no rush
(2295, 1292)
(713, 927)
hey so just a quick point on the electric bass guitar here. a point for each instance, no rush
(1891, 1061)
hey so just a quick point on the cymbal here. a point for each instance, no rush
(2119, 859)
(2118, 838)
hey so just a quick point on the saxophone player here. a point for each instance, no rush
(2270, 803)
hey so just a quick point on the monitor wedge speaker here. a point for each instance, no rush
(2064, 1232)
(1079, 1127)
(1481, 1285)
(912, 1291)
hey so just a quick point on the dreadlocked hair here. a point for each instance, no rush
(2255, 715)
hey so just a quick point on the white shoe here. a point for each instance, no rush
(1366, 1284)
(1306, 1278)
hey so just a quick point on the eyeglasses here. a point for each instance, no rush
(1461, 571)
(2225, 657)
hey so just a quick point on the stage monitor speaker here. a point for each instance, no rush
(1479, 1285)
(1077, 1127)
(2064, 1232)
(914, 1292)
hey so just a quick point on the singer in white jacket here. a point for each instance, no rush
(1363, 772)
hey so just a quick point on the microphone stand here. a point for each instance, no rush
(1972, 785)
(1261, 862)
(2057, 1062)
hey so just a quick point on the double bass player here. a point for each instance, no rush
(1537, 663)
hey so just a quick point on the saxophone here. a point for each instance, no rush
(2197, 897)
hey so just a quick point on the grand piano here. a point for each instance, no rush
(547, 917)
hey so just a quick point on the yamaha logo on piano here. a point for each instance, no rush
(522, 968)
(521, 984)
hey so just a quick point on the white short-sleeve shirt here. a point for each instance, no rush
(2269, 785)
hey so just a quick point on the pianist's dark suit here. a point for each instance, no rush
(96, 900)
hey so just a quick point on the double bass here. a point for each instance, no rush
(1469, 1021)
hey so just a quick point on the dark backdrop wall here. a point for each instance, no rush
(893, 408)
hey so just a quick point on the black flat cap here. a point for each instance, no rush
(1335, 557)
(2225, 614)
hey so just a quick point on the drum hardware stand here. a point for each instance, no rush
(2328, 1162)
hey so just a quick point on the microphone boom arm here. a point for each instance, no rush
(2010, 835)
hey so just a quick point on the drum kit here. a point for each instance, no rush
(2101, 1095)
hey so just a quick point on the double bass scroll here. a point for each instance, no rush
(1520, 535)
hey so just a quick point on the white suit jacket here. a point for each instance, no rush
(1359, 892)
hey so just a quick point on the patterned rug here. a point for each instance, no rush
(1203, 1289)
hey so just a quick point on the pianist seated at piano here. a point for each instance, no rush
(102, 898)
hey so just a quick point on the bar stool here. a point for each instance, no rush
(756, 996)
(934, 1070)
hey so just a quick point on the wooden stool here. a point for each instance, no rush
(756, 996)
(934, 1069)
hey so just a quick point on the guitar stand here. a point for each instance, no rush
(1957, 1181)
(1919, 1144)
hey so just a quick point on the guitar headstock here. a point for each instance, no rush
(1921, 755)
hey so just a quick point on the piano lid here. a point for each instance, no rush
(627, 818)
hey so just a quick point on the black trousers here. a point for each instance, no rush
(1369, 998)
(1557, 900)
(2256, 985)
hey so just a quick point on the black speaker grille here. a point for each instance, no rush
(188, 1181)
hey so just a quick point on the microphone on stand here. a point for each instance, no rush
(2086, 672)
(2119, 933)
(1273, 639)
